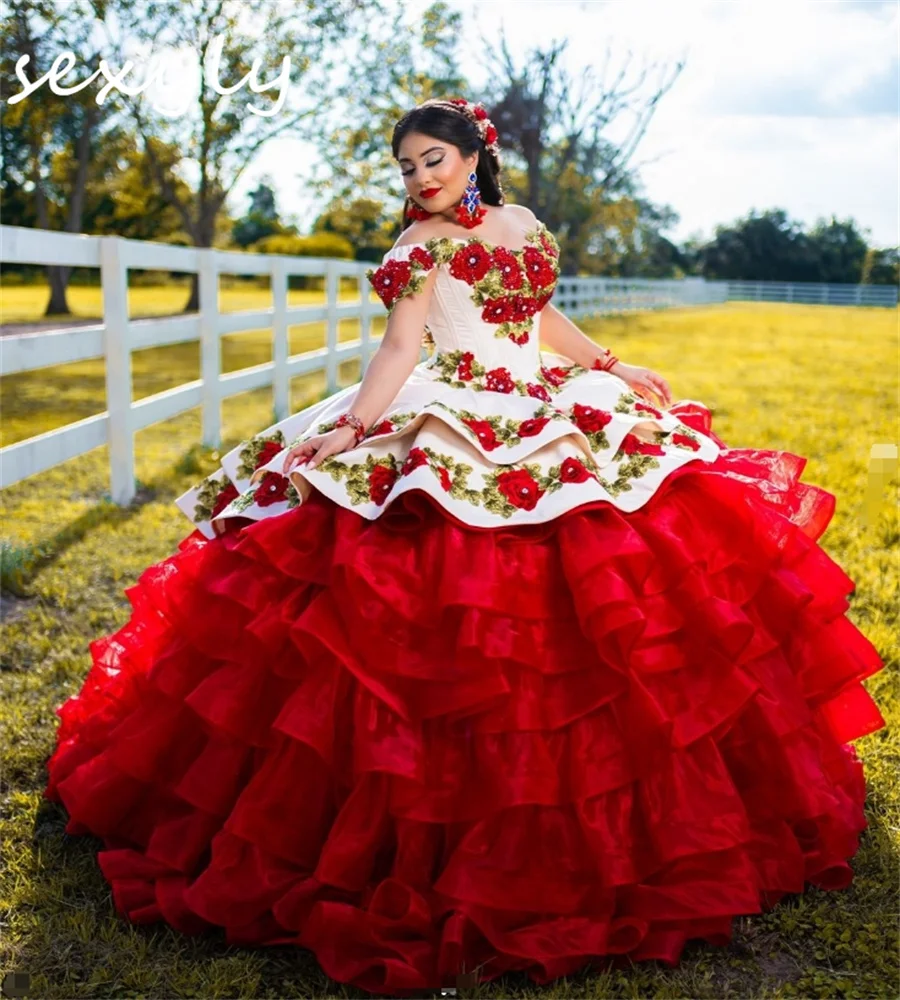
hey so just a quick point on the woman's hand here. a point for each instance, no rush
(316, 449)
(643, 380)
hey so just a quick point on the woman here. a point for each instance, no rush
(484, 663)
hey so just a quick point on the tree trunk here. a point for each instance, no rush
(58, 279)
(57, 275)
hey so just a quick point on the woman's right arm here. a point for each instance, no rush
(390, 367)
(397, 354)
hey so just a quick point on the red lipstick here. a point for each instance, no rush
(429, 192)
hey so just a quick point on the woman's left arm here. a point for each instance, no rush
(563, 337)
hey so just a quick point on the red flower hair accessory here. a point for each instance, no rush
(476, 114)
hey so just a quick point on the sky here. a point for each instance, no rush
(791, 104)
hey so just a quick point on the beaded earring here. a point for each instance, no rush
(470, 211)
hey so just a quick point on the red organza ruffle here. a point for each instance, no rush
(416, 748)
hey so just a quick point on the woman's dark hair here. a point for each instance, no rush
(442, 120)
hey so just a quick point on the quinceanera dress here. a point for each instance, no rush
(535, 675)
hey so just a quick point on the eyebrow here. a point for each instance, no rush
(430, 149)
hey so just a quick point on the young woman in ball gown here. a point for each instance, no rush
(502, 660)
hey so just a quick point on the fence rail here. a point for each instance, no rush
(118, 335)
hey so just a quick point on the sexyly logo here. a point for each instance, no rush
(167, 72)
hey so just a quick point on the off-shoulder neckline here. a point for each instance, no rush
(474, 237)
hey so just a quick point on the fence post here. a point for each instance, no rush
(281, 387)
(210, 363)
(365, 323)
(117, 348)
(331, 301)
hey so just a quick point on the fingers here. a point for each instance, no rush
(321, 454)
(311, 453)
(659, 385)
(298, 454)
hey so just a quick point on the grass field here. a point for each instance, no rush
(817, 381)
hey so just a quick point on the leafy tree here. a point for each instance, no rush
(881, 266)
(220, 136)
(363, 222)
(49, 139)
(840, 249)
(261, 219)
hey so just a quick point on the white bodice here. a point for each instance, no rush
(494, 430)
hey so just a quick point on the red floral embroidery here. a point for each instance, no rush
(548, 245)
(538, 391)
(519, 338)
(632, 445)
(381, 479)
(464, 368)
(499, 380)
(390, 279)
(385, 427)
(272, 489)
(528, 428)
(572, 471)
(423, 257)
(470, 263)
(555, 376)
(678, 438)
(444, 477)
(497, 310)
(508, 265)
(484, 432)
(520, 488)
(224, 498)
(589, 419)
(268, 451)
(646, 408)
(539, 272)
(414, 459)
(523, 307)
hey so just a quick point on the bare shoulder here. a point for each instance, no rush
(523, 212)
(418, 232)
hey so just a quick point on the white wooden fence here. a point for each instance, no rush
(117, 336)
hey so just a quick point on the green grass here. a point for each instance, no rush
(817, 381)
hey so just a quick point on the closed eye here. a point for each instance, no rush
(406, 173)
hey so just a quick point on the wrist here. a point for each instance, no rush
(354, 423)
(605, 362)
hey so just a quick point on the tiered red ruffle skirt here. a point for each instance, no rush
(417, 748)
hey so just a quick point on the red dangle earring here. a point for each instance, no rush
(416, 212)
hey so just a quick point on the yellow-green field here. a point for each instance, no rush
(26, 303)
(817, 381)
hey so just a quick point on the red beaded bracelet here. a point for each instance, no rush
(349, 419)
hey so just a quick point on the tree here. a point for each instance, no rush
(761, 247)
(840, 249)
(261, 218)
(363, 222)
(881, 266)
(220, 136)
(50, 139)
